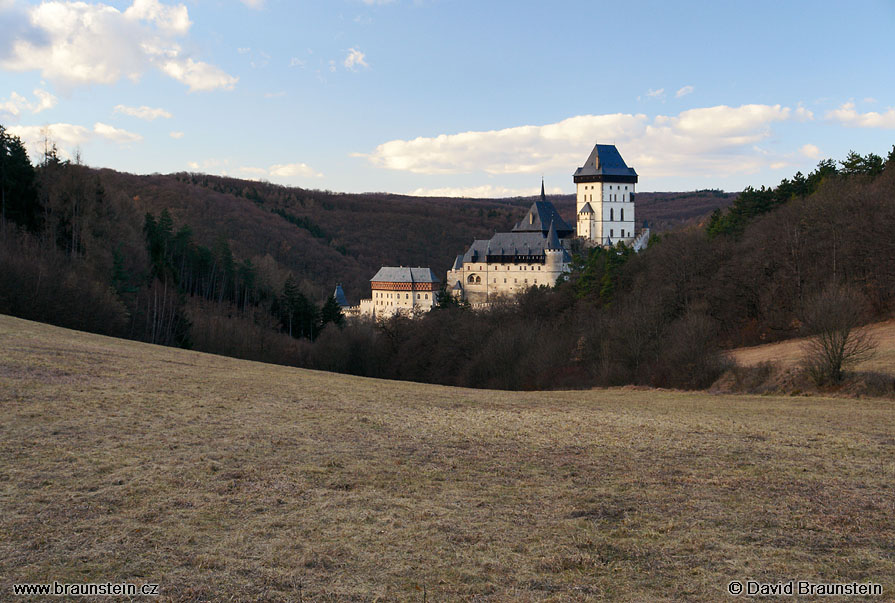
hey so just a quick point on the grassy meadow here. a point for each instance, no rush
(225, 479)
(789, 353)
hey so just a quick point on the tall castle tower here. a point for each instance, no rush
(605, 197)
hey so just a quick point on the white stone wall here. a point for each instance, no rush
(386, 302)
(482, 282)
(609, 200)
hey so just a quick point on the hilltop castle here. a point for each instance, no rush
(537, 250)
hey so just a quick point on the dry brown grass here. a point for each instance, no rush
(226, 479)
(789, 353)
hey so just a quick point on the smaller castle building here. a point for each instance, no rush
(400, 289)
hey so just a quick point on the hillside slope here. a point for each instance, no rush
(219, 478)
(334, 237)
(789, 353)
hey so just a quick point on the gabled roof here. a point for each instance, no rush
(587, 209)
(605, 164)
(458, 263)
(404, 274)
(339, 294)
(512, 244)
(540, 215)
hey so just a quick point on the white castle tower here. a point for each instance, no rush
(605, 197)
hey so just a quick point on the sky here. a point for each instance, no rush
(451, 97)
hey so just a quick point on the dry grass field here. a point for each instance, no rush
(789, 353)
(225, 479)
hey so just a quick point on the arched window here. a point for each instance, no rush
(471, 278)
(427, 296)
(478, 280)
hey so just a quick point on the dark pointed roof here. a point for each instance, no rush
(539, 217)
(605, 164)
(587, 209)
(552, 239)
(339, 294)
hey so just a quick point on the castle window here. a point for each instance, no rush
(504, 281)
(623, 214)
(611, 232)
(471, 278)
(406, 296)
(427, 296)
(515, 281)
(611, 218)
(526, 281)
(623, 233)
(478, 280)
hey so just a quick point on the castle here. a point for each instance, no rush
(537, 250)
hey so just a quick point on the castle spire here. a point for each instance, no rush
(552, 238)
(543, 196)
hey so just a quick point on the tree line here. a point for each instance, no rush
(76, 250)
(73, 253)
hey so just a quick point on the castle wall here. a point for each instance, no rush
(483, 282)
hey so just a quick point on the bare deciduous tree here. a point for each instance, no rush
(833, 320)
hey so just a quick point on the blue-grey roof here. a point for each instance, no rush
(339, 294)
(405, 274)
(511, 244)
(587, 209)
(458, 263)
(457, 286)
(552, 239)
(539, 217)
(606, 161)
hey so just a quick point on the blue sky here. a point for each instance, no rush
(447, 96)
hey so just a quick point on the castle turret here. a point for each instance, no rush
(606, 184)
(553, 253)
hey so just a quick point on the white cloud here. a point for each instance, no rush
(660, 93)
(810, 151)
(115, 134)
(17, 103)
(297, 62)
(176, 135)
(65, 136)
(683, 91)
(79, 43)
(199, 76)
(243, 50)
(143, 112)
(485, 191)
(256, 4)
(68, 137)
(355, 59)
(289, 173)
(293, 170)
(716, 141)
(848, 116)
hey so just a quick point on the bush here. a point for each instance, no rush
(833, 318)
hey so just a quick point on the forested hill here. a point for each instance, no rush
(325, 238)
